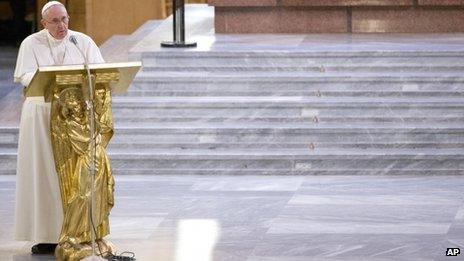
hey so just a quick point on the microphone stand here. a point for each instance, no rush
(90, 107)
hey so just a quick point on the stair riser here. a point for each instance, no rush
(126, 120)
(236, 172)
(267, 146)
(311, 69)
(278, 87)
(271, 137)
(268, 60)
(238, 111)
(8, 137)
(166, 92)
(7, 64)
(266, 143)
(305, 138)
(300, 165)
(6, 75)
(347, 163)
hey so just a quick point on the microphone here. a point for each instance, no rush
(88, 92)
(73, 40)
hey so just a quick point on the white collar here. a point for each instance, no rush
(53, 41)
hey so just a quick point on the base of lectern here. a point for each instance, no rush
(94, 258)
(178, 44)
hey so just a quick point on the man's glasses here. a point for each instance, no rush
(57, 21)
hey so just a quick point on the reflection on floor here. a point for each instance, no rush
(267, 218)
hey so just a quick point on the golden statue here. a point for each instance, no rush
(72, 148)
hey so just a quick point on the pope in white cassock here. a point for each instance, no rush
(38, 211)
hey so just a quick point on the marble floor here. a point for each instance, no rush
(269, 218)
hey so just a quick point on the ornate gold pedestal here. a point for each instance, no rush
(76, 141)
(72, 252)
(71, 135)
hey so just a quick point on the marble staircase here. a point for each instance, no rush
(7, 64)
(277, 112)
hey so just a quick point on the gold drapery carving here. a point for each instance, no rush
(71, 142)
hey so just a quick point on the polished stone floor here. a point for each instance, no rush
(268, 218)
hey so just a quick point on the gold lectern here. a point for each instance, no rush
(81, 125)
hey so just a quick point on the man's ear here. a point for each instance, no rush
(43, 22)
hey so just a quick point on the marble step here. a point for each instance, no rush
(295, 58)
(235, 172)
(247, 171)
(252, 101)
(284, 107)
(306, 134)
(281, 145)
(6, 85)
(9, 57)
(140, 113)
(7, 66)
(318, 68)
(7, 81)
(9, 137)
(6, 74)
(279, 76)
(274, 172)
(271, 86)
(143, 146)
(146, 145)
(302, 161)
(293, 80)
(9, 54)
(299, 78)
(128, 119)
(156, 101)
(249, 132)
(305, 160)
(165, 90)
(6, 89)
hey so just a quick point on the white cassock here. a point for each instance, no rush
(38, 210)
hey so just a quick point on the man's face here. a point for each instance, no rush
(56, 21)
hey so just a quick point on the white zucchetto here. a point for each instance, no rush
(50, 4)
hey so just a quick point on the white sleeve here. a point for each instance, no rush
(26, 78)
(94, 54)
(26, 64)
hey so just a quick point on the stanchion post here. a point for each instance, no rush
(178, 27)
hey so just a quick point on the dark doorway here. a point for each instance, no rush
(17, 20)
